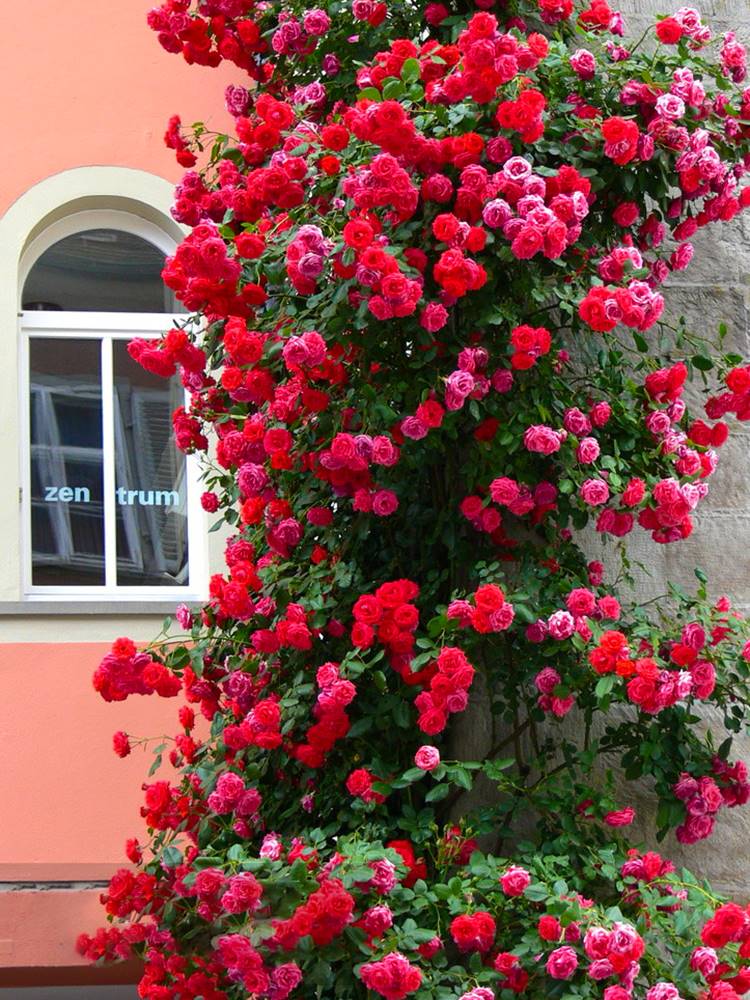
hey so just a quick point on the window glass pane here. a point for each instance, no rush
(151, 491)
(67, 513)
(105, 270)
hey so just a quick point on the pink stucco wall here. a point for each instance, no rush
(86, 83)
(68, 801)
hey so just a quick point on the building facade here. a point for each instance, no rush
(101, 532)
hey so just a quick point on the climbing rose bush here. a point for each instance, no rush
(427, 351)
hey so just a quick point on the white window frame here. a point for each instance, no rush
(106, 327)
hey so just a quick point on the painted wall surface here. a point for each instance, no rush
(88, 84)
(68, 801)
(36, 928)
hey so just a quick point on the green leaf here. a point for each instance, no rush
(702, 363)
(437, 793)
(171, 857)
(462, 778)
(369, 94)
(393, 89)
(604, 685)
(413, 774)
(410, 71)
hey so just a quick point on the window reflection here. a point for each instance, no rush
(67, 512)
(101, 270)
(151, 486)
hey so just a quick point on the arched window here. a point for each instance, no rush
(107, 496)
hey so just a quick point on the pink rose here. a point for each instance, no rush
(527, 243)
(596, 942)
(496, 213)
(384, 502)
(377, 920)
(634, 492)
(515, 881)
(547, 680)
(502, 380)
(284, 979)
(542, 439)
(384, 452)
(694, 635)
(433, 317)
(576, 422)
(704, 679)
(517, 168)
(588, 451)
(704, 960)
(427, 758)
(562, 962)
(458, 386)
(580, 601)
(561, 625)
(600, 414)
(561, 706)
(622, 817)
(583, 64)
(537, 631)
(504, 491)
(594, 492)
(609, 607)
(600, 968)
(414, 428)
(616, 993)
(663, 991)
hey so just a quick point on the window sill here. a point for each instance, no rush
(100, 608)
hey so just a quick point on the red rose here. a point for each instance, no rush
(669, 31)
(620, 139)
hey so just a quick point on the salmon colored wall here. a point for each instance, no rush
(69, 802)
(88, 84)
(85, 84)
(38, 931)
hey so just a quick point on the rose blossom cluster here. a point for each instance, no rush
(231, 795)
(448, 690)
(331, 720)
(489, 612)
(473, 931)
(390, 617)
(537, 215)
(346, 463)
(613, 952)
(703, 797)
(344, 251)
(323, 916)
(469, 380)
(529, 343)
(546, 681)
(635, 305)
(392, 977)
(125, 671)
(359, 785)
(650, 686)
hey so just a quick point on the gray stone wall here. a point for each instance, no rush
(714, 289)
(723, 15)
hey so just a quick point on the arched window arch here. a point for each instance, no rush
(107, 497)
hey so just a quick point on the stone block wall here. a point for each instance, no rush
(714, 289)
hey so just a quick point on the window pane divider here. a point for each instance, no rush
(108, 468)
